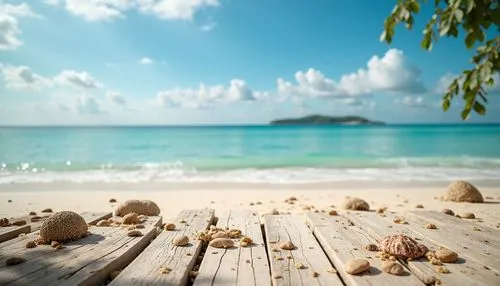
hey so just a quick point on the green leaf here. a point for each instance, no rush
(414, 7)
(490, 82)
(426, 43)
(446, 104)
(465, 114)
(470, 5)
(479, 108)
(469, 40)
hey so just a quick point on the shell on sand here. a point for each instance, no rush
(181, 240)
(461, 191)
(287, 245)
(403, 246)
(355, 204)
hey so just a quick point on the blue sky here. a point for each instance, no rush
(218, 62)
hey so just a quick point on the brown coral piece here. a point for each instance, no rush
(221, 243)
(169, 226)
(371, 247)
(112, 200)
(4, 222)
(220, 234)
(448, 212)
(431, 226)
(333, 213)
(11, 261)
(30, 244)
(287, 245)
(32, 213)
(419, 206)
(144, 207)
(130, 218)
(134, 233)
(461, 191)
(181, 240)
(446, 255)
(245, 241)
(403, 246)
(355, 204)
(63, 226)
(357, 266)
(392, 267)
(234, 233)
(49, 210)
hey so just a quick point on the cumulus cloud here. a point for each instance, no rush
(413, 102)
(79, 79)
(390, 74)
(146, 61)
(106, 10)
(116, 98)
(208, 27)
(359, 103)
(175, 9)
(206, 96)
(22, 78)
(9, 24)
(87, 104)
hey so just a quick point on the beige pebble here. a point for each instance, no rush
(357, 266)
(181, 240)
(446, 255)
(371, 247)
(14, 261)
(287, 245)
(467, 215)
(30, 244)
(103, 223)
(448, 212)
(430, 226)
(419, 206)
(333, 212)
(392, 267)
(221, 243)
(169, 226)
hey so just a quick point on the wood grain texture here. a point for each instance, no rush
(11, 232)
(86, 261)
(464, 272)
(343, 241)
(145, 269)
(237, 265)
(308, 252)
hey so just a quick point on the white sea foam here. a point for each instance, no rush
(276, 176)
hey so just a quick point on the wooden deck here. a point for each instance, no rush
(323, 245)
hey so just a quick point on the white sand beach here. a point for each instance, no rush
(263, 198)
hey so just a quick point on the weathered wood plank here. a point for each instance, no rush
(89, 217)
(10, 232)
(468, 243)
(308, 252)
(238, 265)
(145, 269)
(470, 228)
(87, 261)
(343, 241)
(464, 272)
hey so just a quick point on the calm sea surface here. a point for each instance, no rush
(276, 154)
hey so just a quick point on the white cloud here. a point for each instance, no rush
(87, 104)
(358, 103)
(390, 74)
(106, 10)
(9, 24)
(116, 98)
(146, 61)
(22, 78)
(79, 79)
(412, 102)
(175, 9)
(206, 96)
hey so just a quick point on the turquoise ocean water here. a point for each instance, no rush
(274, 154)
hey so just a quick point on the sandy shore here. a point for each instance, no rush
(263, 198)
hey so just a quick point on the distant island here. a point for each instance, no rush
(326, 120)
